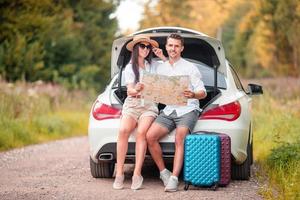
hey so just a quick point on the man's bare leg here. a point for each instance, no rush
(154, 134)
(181, 132)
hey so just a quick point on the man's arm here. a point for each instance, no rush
(195, 95)
(198, 91)
(159, 53)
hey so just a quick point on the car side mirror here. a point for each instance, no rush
(255, 89)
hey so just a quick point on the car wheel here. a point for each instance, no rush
(242, 172)
(102, 169)
(251, 147)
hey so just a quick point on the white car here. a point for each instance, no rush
(226, 109)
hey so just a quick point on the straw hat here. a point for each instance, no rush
(141, 38)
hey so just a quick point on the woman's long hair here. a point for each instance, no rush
(135, 61)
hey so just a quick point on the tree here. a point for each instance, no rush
(286, 25)
(22, 35)
(167, 13)
(260, 37)
(205, 16)
(98, 31)
(55, 41)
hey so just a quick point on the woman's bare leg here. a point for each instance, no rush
(141, 143)
(126, 127)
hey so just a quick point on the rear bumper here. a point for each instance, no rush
(104, 135)
(108, 152)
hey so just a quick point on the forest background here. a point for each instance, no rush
(69, 41)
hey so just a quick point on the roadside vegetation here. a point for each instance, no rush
(38, 112)
(276, 137)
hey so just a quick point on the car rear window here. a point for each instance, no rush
(208, 76)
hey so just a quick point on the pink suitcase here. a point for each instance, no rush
(225, 159)
(225, 172)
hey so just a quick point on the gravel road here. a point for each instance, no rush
(60, 170)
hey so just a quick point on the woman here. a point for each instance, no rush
(136, 112)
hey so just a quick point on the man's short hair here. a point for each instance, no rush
(177, 37)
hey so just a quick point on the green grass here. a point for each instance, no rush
(277, 142)
(30, 114)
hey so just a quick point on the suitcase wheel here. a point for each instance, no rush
(186, 186)
(215, 186)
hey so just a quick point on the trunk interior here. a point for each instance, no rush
(194, 49)
(121, 94)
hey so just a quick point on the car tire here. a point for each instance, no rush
(242, 172)
(102, 169)
(251, 146)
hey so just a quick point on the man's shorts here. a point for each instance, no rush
(172, 121)
(134, 107)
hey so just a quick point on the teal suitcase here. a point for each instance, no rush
(202, 158)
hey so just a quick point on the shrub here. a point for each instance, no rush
(283, 156)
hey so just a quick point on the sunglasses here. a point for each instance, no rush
(143, 46)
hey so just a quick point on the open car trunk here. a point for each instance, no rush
(205, 52)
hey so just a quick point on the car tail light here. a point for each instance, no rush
(102, 111)
(228, 112)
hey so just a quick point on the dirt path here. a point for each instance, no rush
(60, 170)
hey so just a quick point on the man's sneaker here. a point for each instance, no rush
(119, 182)
(165, 175)
(137, 182)
(172, 185)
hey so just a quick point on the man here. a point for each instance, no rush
(181, 118)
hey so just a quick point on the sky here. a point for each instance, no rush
(129, 14)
